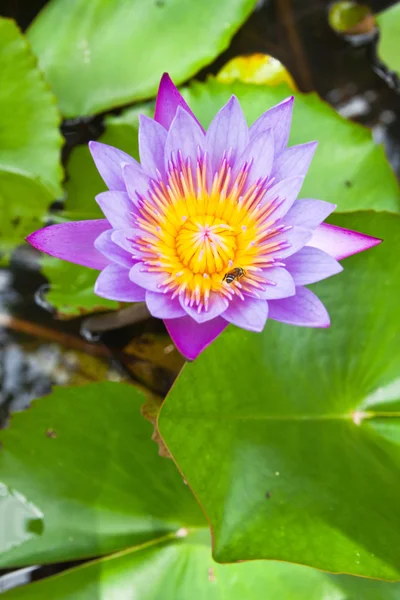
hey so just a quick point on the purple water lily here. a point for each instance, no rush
(207, 229)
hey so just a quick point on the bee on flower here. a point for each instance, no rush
(207, 228)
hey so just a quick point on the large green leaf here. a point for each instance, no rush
(389, 25)
(103, 54)
(290, 439)
(85, 457)
(348, 168)
(182, 569)
(30, 169)
(20, 519)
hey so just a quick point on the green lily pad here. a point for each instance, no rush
(290, 439)
(348, 168)
(117, 51)
(389, 26)
(30, 142)
(85, 456)
(20, 519)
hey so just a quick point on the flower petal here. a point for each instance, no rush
(123, 238)
(114, 283)
(106, 246)
(146, 279)
(278, 118)
(340, 242)
(118, 208)
(168, 100)
(72, 241)
(283, 194)
(152, 138)
(184, 136)
(162, 306)
(227, 131)
(291, 240)
(304, 309)
(279, 284)
(310, 265)
(136, 181)
(109, 162)
(309, 213)
(260, 151)
(248, 314)
(216, 306)
(294, 161)
(190, 337)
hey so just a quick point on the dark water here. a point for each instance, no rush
(38, 351)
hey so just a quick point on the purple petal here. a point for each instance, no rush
(260, 151)
(216, 306)
(136, 181)
(294, 161)
(304, 309)
(152, 138)
(114, 283)
(123, 239)
(227, 131)
(184, 136)
(109, 162)
(118, 208)
(283, 194)
(72, 241)
(309, 213)
(190, 337)
(310, 265)
(278, 118)
(106, 246)
(168, 100)
(162, 306)
(291, 240)
(279, 284)
(147, 279)
(339, 242)
(248, 314)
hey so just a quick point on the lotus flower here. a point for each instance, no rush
(207, 229)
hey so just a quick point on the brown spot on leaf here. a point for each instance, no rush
(268, 495)
(211, 574)
(50, 433)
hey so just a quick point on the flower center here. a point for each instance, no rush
(196, 229)
(206, 244)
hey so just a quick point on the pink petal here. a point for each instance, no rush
(308, 213)
(72, 241)
(114, 283)
(168, 100)
(280, 283)
(146, 279)
(228, 130)
(106, 246)
(304, 309)
(292, 240)
(162, 306)
(190, 337)
(260, 153)
(294, 161)
(216, 306)
(248, 314)
(185, 136)
(109, 162)
(284, 194)
(136, 181)
(118, 208)
(152, 138)
(310, 265)
(340, 242)
(278, 118)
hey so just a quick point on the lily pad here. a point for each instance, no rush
(389, 26)
(290, 439)
(20, 519)
(117, 51)
(30, 142)
(85, 456)
(348, 168)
